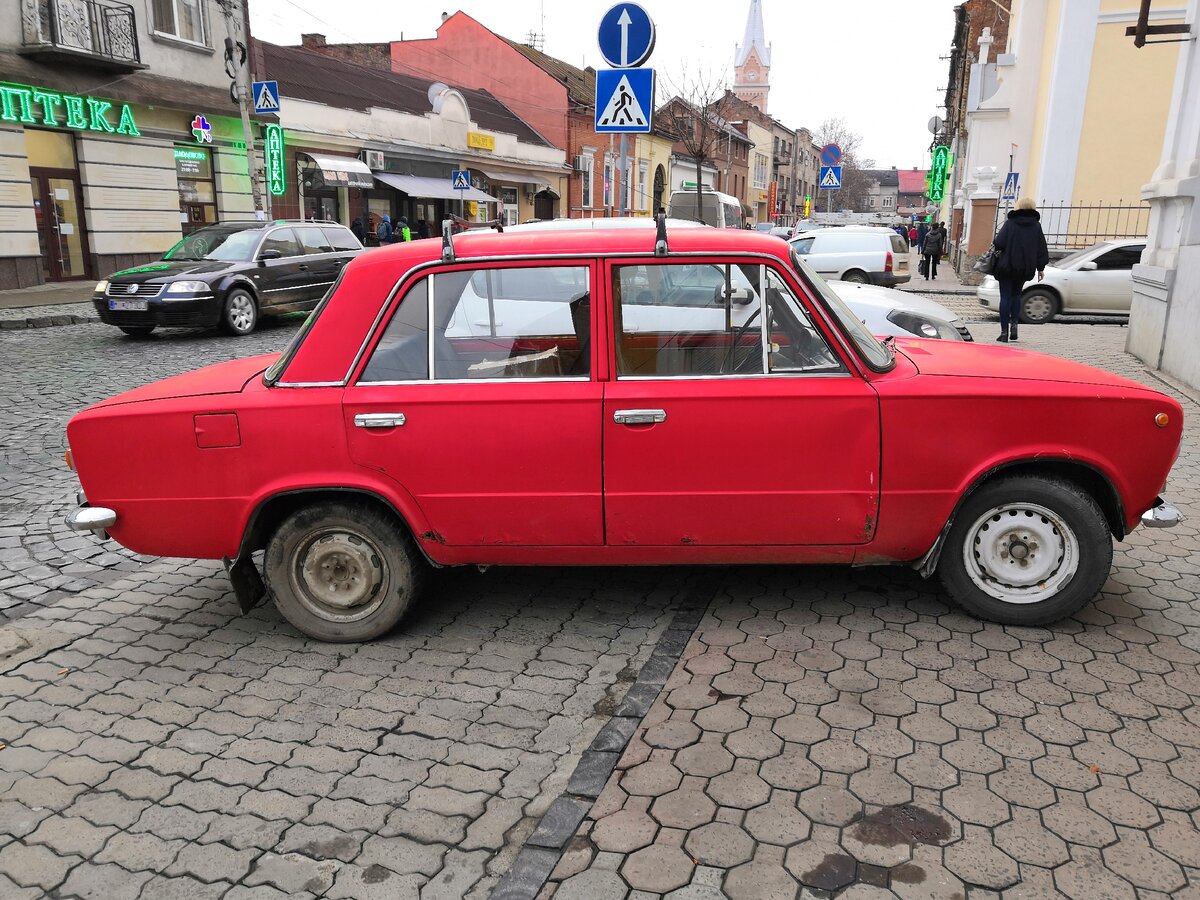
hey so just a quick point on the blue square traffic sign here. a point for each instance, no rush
(265, 95)
(624, 100)
(831, 178)
(460, 179)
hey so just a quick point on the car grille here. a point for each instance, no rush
(140, 290)
(165, 317)
(966, 335)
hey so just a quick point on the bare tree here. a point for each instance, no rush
(855, 182)
(695, 116)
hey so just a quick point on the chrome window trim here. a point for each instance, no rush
(763, 315)
(539, 378)
(430, 355)
(742, 375)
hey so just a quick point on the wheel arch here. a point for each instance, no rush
(1084, 475)
(238, 281)
(1051, 289)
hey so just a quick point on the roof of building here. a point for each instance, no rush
(912, 181)
(755, 37)
(581, 83)
(885, 177)
(305, 75)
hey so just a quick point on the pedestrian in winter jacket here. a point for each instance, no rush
(1023, 251)
(383, 232)
(932, 249)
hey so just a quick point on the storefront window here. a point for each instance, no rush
(197, 190)
(508, 196)
(183, 19)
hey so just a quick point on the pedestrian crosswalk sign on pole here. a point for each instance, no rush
(460, 179)
(266, 96)
(624, 100)
(831, 178)
(1010, 186)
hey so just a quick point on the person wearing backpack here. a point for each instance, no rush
(402, 233)
(383, 232)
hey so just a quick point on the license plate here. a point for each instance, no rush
(128, 305)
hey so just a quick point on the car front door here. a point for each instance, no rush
(1109, 286)
(709, 440)
(282, 274)
(495, 431)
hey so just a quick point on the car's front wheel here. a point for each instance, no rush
(1026, 550)
(1038, 306)
(239, 315)
(856, 277)
(343, 571)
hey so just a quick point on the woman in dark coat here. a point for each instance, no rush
(933, 248)
(1022, 248)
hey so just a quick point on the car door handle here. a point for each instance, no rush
(639, 416)
(379, 420)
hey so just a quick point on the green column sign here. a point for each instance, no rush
(273, 160)
(939, 171)
(40, 106)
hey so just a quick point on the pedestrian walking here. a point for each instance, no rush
(356, 227)
(383, 231)
(922, 231)
(931, 250)
(402, 232)
(423, 229)
(912, 235)
(1022, 250)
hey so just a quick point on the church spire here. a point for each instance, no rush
(752, 61)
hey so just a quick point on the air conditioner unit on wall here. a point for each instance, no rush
(373, 158)
(580, 165)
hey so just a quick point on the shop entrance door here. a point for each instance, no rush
(62, 237)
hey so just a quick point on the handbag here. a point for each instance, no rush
(923, 266)
(986, 264)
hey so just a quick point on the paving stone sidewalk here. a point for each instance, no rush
(836, 733)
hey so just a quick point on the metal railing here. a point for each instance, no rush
(1071, 226)
(103, 28)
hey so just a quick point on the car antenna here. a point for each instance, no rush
(451, 222)
(660, 238)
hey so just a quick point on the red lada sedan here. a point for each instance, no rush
(617, 397)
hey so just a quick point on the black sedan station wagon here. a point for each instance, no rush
(228, 275)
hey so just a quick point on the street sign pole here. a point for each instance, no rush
(624, 173)
(625, 93)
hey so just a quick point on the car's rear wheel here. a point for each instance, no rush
(856, 277)
(137, 331)
(343, 571)
(1026, 550)
(1038, 306)
(239, 315)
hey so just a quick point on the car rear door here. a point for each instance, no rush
(709, 441)
(283, 280)
(321, 264)
(494, 432)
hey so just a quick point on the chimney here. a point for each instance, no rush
(445, 16)
(312, 40)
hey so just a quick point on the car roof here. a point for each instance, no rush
(600, 224)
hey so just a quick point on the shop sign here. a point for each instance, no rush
(938, 173)
(273, 160)
(201, 130)
(192, 155)
(41, 106)
(481, 141)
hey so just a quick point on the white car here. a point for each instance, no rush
(860, 254)
(890, 312)
(1097, 280)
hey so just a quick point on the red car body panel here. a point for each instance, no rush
(864, 466)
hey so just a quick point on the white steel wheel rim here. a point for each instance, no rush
(1037, 307)
(339, 575)
(241, 312)
(1021, 553)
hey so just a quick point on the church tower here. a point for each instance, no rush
(752, 61)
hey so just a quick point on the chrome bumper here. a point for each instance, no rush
(96, 519)
(1161, 515)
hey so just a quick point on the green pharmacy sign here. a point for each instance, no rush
(939, 172)
(273, 160)
(41, 106)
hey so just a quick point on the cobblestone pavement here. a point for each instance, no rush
(846, 733)
(825, 730)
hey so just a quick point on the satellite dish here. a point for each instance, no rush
(935, 124)
(435, 93)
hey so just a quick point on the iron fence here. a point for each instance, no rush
(1070, 226)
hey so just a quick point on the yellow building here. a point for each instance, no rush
(650, 173)
(758, 184)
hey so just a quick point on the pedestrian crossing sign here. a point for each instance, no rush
(831, 178)
(266, 96)
(1010, 186)
(624, 100)
(460, 179)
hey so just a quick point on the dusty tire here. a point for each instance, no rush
(856, 277)
(137, 331)
(1038, 306)
(1026, 550)
(239, 312)
(343, 571)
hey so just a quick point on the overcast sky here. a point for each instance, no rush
(875, 63)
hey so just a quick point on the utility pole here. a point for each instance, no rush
(238, 71)
(624, 171)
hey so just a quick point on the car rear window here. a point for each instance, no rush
(898, 245)
(341, 238)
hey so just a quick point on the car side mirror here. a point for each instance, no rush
(1089, 266)
(740, 296)
(269, 254)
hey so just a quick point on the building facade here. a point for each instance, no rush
(752, 61)
(117, 134)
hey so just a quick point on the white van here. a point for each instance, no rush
(719, 210)
(858, 254)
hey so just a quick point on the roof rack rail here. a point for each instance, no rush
(451, 222)
(660, 236)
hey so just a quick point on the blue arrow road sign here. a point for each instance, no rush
(1010, 186)
(626, 36)
(460, 179)
(831, 178)
(831, 155)
(266, 96)
(624, 100)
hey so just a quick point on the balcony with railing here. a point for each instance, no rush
(96, 33)
(783, 157)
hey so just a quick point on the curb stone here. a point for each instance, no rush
(46, 322)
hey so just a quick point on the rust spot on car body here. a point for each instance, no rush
(433, 536)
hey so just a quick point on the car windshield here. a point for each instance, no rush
(1072, 258)
(877, 355)
(216, 243)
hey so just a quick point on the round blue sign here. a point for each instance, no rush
(831, 155)
(626, 36)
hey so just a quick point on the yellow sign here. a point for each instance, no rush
(472, 208)
(481, 141)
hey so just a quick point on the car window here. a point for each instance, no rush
(340, 238)
(312, 239)
(494, 323)
(803, 245)
(795, 343)
(283, 240)
(1122, 258)
(216, 243)
(876, 355)
(898, 244)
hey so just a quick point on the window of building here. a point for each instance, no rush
(889, 201)
(508, 197)
(608, 182)
(197, 190)
(183, 19)
(761, 168)
(488, 324)
(643, 179)
(629, 177)
(589, 164)
(871, 201)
